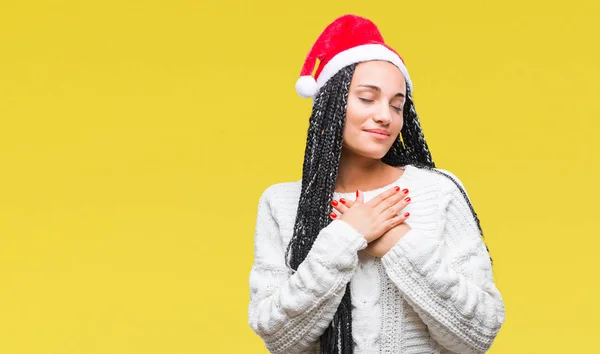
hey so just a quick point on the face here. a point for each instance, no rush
(375, 107)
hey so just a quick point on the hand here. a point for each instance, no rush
(384, 244)
(381, 245)
(374, 218)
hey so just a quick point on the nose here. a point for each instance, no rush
(383, 115)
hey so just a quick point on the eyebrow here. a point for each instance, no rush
(376, 88)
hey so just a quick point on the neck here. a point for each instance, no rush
(359, 172)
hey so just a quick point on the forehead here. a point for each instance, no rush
(380, 73)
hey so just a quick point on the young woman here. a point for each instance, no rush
(374, 249)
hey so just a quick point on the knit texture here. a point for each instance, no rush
(433, 292)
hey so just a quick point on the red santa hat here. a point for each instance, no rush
(347, 40)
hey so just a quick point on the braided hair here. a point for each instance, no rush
(319, 175)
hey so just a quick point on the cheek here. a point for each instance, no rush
(398, 124)
(351, 108)
(354, 113)
(352, 127)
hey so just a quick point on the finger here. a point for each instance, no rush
(342, 208)
(403, 204)
(396, 220)
(347, 203)
(359, 197)
(383, 196)
(393, 210)
(391, 201)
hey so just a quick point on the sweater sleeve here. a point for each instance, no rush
(291, 310)
(447, 278)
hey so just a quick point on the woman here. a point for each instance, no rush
(374, 250)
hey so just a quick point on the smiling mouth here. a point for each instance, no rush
(377, 134)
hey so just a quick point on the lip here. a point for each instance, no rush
(378, 133)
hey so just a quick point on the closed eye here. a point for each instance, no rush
(398, 109)
(365, 100)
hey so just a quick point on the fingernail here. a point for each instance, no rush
(342, 200)
(396, 188)
(333, 215)
(406, 214)
(407, 199)
(357, 193)
(334, 202)
(405, 191)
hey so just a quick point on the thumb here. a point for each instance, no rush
(359, 197)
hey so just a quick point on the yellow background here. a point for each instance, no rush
(137, 136)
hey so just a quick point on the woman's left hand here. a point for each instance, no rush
(383, 244)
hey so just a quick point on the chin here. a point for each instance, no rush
(368, 150)
(375, 155)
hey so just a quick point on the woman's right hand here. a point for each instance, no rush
(377, 216)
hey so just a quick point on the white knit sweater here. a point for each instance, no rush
(433, 292)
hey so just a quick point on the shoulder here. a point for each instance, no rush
(443, 177)
(451, 177)
(446, 181)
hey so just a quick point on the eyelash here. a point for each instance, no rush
(398, 109)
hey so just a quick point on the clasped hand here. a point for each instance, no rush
(378, 220)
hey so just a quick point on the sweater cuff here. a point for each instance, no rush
(337, 244)
(416, 247)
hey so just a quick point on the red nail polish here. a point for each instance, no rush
(334, 202)
(342, 200)
(405, 191)
(407, 199)
(357, 193)
(396, 188)
(333, 215)
(406, 214)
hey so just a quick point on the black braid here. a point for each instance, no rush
(319, 175)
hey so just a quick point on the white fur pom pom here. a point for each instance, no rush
(306, 86)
